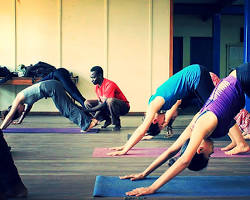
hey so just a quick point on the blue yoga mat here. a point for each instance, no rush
(49, 130)
(180, 186)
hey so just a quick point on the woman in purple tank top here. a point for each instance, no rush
(213, 120)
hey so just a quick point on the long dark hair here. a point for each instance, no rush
(154, 129)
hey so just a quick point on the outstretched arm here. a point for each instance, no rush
(9, 118)
(153, 108)
(204, 125)
(169, 153)
(24, 114)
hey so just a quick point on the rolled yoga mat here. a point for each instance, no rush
(155, 152)
(49, 130)
(180, 186)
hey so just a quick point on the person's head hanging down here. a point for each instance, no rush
(212, 121)
(194, 79)
(25, 99)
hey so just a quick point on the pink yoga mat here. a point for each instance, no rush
(135, 152)
(154, 152)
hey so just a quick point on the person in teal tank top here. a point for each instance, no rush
(178, 86)
(194, 79)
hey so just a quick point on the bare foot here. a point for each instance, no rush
(228, 147)
(92, 124)
(239, 149)
(147, 137)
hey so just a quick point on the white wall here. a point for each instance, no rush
(128, 38)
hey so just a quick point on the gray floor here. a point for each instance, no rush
(60, 166)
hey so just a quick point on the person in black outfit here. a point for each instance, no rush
(11, 185)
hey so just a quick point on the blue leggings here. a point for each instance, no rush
(63, 76)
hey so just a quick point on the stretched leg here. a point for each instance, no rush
(65, 105)
(205, 86)
(50, 76)
(10, 181)
(63, 76)
(238, 144)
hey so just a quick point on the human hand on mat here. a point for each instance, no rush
(117, 148)
(140, 191)
(116, 153)
(133, 177)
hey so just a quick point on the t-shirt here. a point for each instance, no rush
(32, 94)
(109, 89)
(178, 86)
(226, 100)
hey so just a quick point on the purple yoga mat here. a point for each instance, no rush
(221, 154)
(49, 130)
(154, 152)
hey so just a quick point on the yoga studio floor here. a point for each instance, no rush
(60, 166)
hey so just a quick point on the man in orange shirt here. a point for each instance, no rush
(111, 103)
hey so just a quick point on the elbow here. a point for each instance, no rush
(184, 162)
(197, 163)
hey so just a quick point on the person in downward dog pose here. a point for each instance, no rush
(212, 121)
(25, 99)
(192, 80)
(63, 75)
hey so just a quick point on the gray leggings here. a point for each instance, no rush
(64, 104)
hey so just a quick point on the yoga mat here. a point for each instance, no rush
(177, 134)
(49, 130)
(155, 152)
(135, 152)
(180, 186)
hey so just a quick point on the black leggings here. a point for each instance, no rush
(9, 176)
(243, 76)
(205, 86)
(63, 76)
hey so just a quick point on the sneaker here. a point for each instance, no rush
(169, 132)
(172, 161)
(107, 123)
(117, 128)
